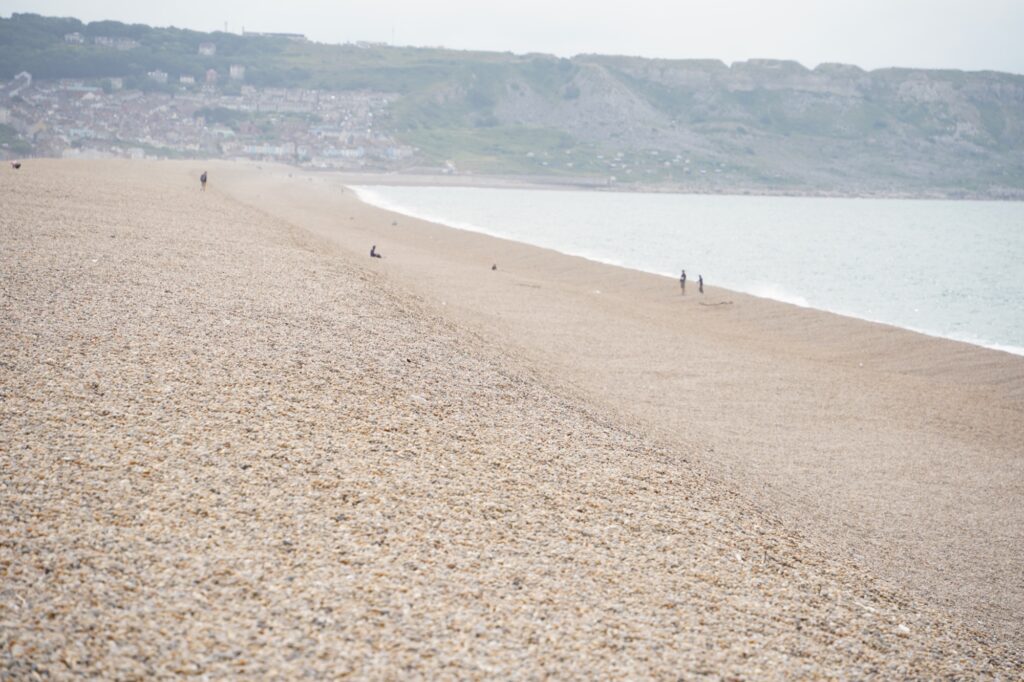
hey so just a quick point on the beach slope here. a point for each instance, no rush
(231, 448)
(900, 451)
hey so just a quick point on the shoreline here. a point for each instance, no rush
(377, 202)
(234, 445)
(581, 183)
(585, 183)
(848, 429)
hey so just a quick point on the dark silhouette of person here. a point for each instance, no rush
(202, 181)
(373, 252)
(15, 165)
(682, 282)
(700, 283)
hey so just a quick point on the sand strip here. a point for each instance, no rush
(902, 450)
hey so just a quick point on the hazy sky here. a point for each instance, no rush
(962, 34)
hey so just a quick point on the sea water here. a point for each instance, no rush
(953, 269)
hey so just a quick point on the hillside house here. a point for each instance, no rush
(121, 44)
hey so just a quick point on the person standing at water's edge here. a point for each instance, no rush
(682, 282)
(202, 182)
(700, 283)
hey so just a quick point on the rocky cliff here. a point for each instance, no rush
(700, 125)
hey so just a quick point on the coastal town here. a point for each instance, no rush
(485, 341)
(761, 126)
(178, 116)
(220, 114)
(327, 130)
(183, 118)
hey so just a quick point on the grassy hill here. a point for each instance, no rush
(698, 124)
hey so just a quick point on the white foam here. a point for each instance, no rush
(975, 341)
(761, 289)
(775, 293)
(370, 196)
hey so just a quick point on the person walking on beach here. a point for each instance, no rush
(700, 283)
(202, 182)
(682, 282)
(373, 252)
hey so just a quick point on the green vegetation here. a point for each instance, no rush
(36, 44)
(495, 150)
(636, 119)
(994, 121)
(10, 140)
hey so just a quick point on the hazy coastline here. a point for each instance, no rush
(598, 184)
(772, 291)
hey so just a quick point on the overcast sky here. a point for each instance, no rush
(960, 34)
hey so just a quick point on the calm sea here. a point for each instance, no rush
(953, 269)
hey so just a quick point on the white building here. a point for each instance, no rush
(207, 49)
(286, 149)
(237, 72)
(116, 43)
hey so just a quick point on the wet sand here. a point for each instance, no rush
(234, 445)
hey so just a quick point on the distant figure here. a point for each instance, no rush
(15, 165)
(700, 283)
(202, 181)
(494, 267)
(373, 252)
(682, 282)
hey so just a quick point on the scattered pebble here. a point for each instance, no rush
(257, 499)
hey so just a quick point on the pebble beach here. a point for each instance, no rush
(231, 447)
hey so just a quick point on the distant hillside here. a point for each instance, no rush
(759, 125)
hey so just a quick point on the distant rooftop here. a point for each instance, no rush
(289, 36)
